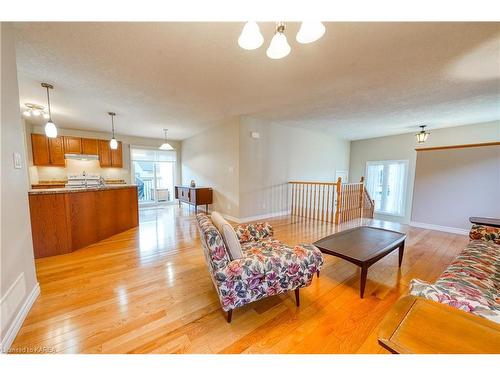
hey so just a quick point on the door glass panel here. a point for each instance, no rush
(386, 183)
(164, 181)
(143, 178)
(154, 172)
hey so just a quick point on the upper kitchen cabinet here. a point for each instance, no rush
(72, 145)
(117, 157)
(47, 151)
(56, 151)
(109, 157)
(104, 153)
(90, 146)
(40, 148)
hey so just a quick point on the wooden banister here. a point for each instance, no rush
(330, 201)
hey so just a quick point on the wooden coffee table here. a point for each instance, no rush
(363, 246)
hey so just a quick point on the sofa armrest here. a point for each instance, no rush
(253, 232)
(484, 233)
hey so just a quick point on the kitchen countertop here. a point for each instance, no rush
(79, 190)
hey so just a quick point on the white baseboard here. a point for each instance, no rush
(254, 218)
(439, 228)
(17, 322)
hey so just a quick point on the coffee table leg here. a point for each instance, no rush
(364, 272)
(401, 252)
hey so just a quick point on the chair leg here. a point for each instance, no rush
(229, 316)
(317, 273)
(297, 297)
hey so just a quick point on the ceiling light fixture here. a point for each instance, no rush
(310, 31)
(422, 135)
(250, 37)
(50, 127)
(279, 47)
(113, 144)
(165, 146)
(34, 110)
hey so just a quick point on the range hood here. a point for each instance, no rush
(81, 157)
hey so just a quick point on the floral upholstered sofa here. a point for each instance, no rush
(472, 282)
(267, 266)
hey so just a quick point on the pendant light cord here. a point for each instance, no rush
(113, 125)
(48, 104)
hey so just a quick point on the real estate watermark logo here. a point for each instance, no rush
(32, 350)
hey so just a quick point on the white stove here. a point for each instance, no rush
(83, 181)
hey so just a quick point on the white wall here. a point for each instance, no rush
(76, 166)
(452, 185)
(402, 147)
(211, 159)
(19, 286)
(279, 155)
(249, 176)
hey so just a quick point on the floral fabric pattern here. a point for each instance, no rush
(471, 283)
(485, 233)
(269, 267)
(253, 232)
(214, 248)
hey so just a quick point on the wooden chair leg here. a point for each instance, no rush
(297, 297)
(317, 273)
(229, 316)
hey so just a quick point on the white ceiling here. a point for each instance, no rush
(360, 80)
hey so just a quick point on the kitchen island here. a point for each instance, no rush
(66, 219)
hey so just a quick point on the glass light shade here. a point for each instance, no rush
(27, 113)
(250, 37)
(165, 147)
(310, 31)
(50, 129)
(36, 112)
(113, 144)
(422, 136)
(279, 47)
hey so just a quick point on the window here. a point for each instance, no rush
(386, 183)
(154, 174)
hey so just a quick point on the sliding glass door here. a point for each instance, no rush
(154, 175)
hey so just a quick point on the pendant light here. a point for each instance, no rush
(113, 144)
(165, 146)
(250, 37)
(50, 127)
(310, 31)
(422, 135)
(279, 46)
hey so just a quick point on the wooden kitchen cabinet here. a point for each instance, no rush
(104, 153)
(50, 151)
(56, 151)
(40, 148)
(90, 146)
(117, 157)
(47, 151)
(109, 157)
(72, 145)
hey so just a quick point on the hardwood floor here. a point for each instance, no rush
(148, 290)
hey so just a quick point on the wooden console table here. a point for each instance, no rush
(416, 325)
(194, 196)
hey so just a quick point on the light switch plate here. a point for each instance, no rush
(255, 135)
(17, 160)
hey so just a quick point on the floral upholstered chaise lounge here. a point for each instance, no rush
(472, 282)
(263, 267)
